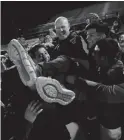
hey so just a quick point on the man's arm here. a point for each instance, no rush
(113, 93)
(103, 93)
(60, 64)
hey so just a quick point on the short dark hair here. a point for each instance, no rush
(108, 47)
(33, 50)
(100, 27)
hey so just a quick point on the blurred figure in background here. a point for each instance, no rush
(115, 27)
(3, 66)
(6, 63)
(93, 18)
(48, 44)
(121, 40)
(121, 43)
(116, 24)
(52, 33)
(48, 41)
(41, 39)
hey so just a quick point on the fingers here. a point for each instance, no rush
(31, 104)
(39, 111)
(34, 106)
(36, 109)
(35, 103)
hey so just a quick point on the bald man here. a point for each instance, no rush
(70, 44)
(69, 47)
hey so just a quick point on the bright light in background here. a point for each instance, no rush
(105, 9)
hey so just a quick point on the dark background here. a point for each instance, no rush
(24, 15)
(27, 14)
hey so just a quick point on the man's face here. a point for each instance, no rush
(121, 41)
(92, 37)
(42, 55)
(62, 29)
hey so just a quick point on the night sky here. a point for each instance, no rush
(26, 14)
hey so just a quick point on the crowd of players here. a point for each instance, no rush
(88, 62)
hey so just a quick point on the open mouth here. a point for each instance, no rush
(63, 33)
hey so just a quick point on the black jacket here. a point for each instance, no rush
(71, 47)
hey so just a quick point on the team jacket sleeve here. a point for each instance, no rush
(102, 93)
(110, 94)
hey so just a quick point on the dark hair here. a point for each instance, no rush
(108, 47)
(100, 27)
(33, 50)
